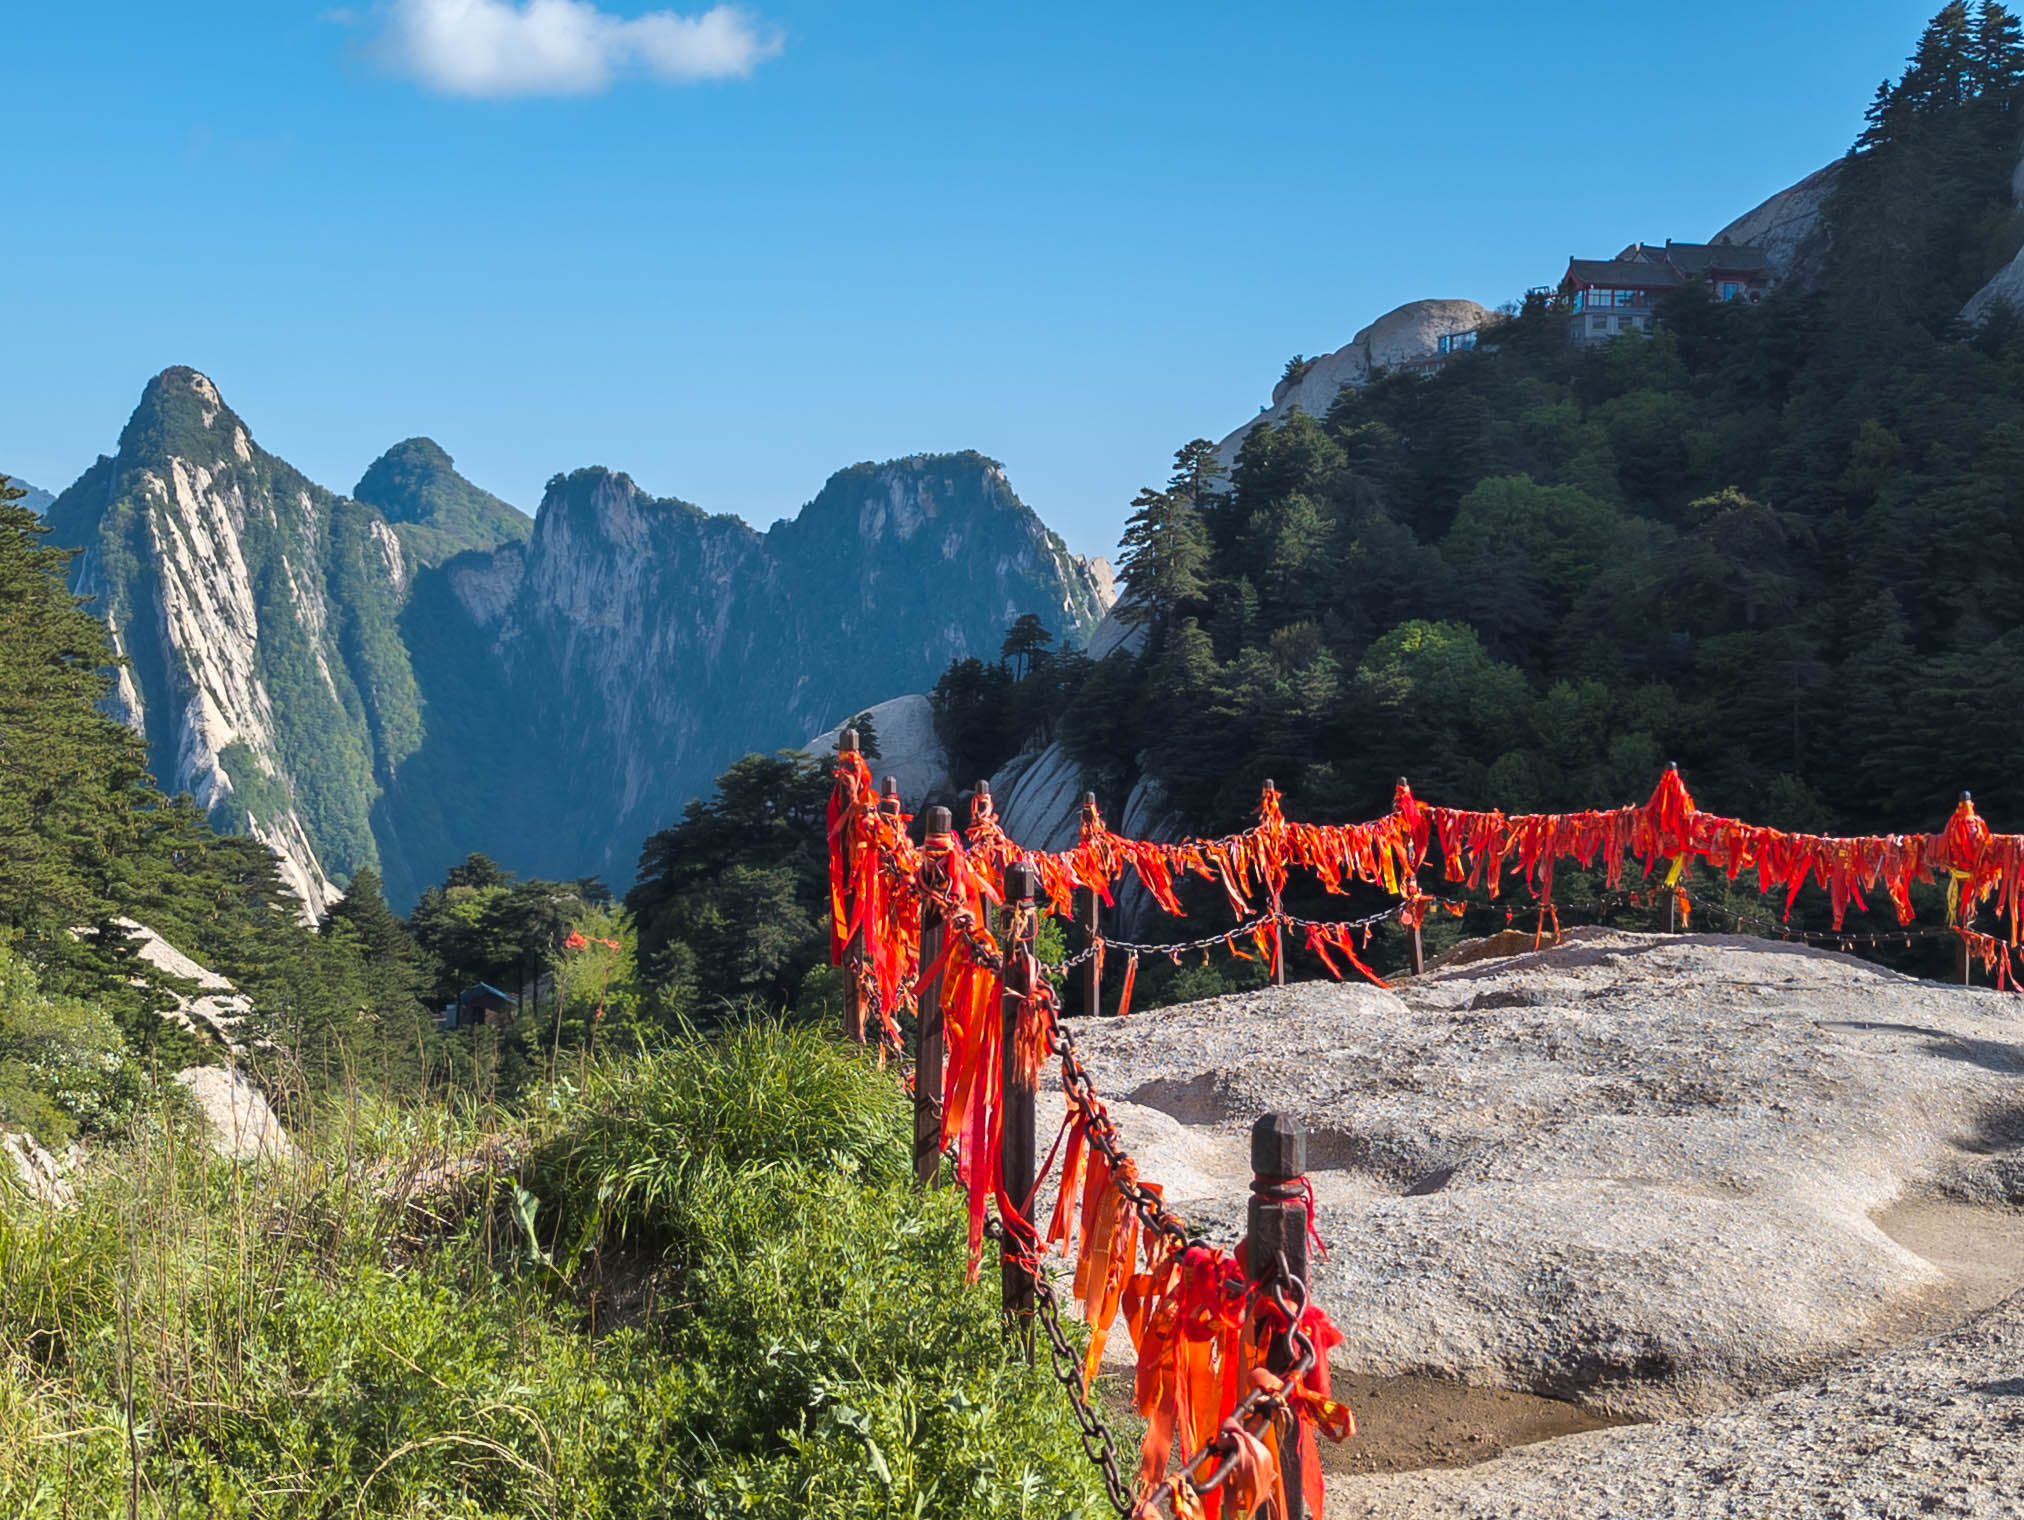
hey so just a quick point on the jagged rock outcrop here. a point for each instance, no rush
(1788, 228)
(1408, 332)
(405, 676)
(31, 1167)
(215, 1010)
(909, 752)
(237, 1119)
(1038, 797)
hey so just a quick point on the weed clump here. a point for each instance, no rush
(696, 1282)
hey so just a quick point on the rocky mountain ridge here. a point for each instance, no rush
(408, 674)
(242, 597)
(435, 512)
(37, 500)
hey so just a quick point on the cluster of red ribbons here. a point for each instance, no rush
(1198, 1328)
(1479, 850)
(1194, 1323)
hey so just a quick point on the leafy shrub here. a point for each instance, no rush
(63, 1066)
(344, 1338)
(642, 1136)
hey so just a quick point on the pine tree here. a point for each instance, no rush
(1944, 64)
(1164, 551)
(1026, 645)
(393, 1037)
(72, 781)
(1881, 120)
(1996, 56)
(867, 735)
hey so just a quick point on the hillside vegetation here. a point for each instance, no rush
(1777, 543)
(631, 1241)
(700, 1283)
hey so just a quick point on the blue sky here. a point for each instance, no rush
(732, 252)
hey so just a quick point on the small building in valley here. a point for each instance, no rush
(481, 1003)
(1606, 298)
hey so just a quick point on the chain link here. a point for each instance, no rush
(1263, 921)
(1098, 1444)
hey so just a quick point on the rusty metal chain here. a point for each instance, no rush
(1257, 1409)
(1262, 921)
(1098, 1444)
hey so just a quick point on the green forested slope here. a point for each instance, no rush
(1778, 543)
(437, 512)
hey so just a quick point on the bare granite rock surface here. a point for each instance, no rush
(31, 1167)
(1788, 228)
(909, 752)
(242, 1127)
(1642, 1173)
(1411, 331)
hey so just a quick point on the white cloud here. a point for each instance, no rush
(563, 47)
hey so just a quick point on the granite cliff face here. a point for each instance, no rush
(252, 606)
(1408, 332)
(404, 676)
(636, 646)
(1788, 228)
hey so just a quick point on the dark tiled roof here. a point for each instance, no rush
(1621, 273)
(1699, 258)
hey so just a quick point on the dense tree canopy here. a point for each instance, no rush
(1775, 542)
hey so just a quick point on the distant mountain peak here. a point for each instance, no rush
(549, 694)
(437, 513)
(37, 500)
(182, 415)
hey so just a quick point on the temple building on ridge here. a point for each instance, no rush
(1606, 298)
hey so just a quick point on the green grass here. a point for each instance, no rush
(699, 1285)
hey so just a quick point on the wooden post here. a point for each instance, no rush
(928, 1036)
(1278, 940)
(1016, 1146)
(1673, 892)
(853, 952)
(1276, 1229)
(1417, 950)
(1960, 914)
(1092, 969)
(1092, 927)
